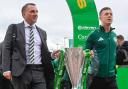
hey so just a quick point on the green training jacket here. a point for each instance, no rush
(104, 46)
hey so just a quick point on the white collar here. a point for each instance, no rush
(27, 25)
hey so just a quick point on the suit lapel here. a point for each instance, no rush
(41, 35)
(22, 30)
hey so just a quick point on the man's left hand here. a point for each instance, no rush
(55, 54)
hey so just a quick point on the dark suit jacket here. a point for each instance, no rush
(15, 59)
(1, 57)
(122, 54)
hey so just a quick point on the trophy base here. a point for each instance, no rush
(74, 88)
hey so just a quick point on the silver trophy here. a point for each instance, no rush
(74, 63)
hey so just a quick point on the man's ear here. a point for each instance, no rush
(100, 17)
(23, 14)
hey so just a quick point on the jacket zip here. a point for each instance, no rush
(108, 53)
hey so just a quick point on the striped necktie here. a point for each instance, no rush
(31, 45)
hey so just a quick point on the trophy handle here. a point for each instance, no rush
(59, 72)
(87, 61)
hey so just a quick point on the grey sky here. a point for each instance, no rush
(55, 17)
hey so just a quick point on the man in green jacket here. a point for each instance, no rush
(102, 42)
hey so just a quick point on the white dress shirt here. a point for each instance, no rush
(37, 44)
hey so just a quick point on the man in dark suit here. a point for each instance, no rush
(26, 58)
(122, 51)
(4, 83)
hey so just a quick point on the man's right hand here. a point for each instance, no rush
(7, 75)
(92, 53)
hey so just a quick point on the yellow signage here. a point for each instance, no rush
(81, 4)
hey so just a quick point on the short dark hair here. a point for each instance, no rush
(105, 8)
(120, 37)
(25, 6)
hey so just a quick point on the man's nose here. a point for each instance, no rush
(35, 13)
